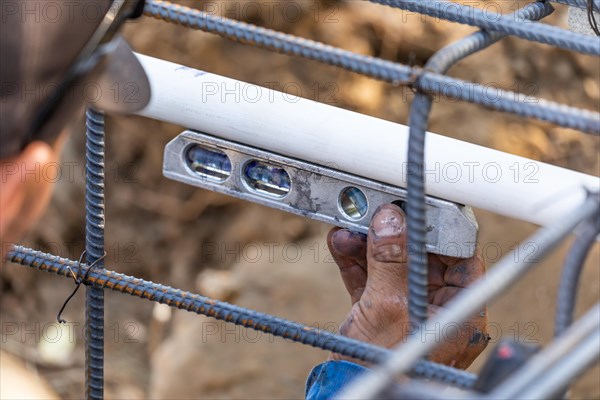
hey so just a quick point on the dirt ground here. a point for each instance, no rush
(174, 234)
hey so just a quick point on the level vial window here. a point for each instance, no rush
(267, 179)
(353, 203)
(209, 162)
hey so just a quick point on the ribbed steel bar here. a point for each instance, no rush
(574, 364)
(541, 364)
(505, 272)
(570, 117)
(420, 109)
(446, 57)
(487, 20)
(579, 3)
(416, 224)
(510, 102)
(94, 246)
(106, 279)
(569, 280)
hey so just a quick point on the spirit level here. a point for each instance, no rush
(310, 190)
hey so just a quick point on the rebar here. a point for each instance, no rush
(579, 3)
(507, 101)
(94, 245)
(106, 279)
(416, 224)
(569, 280)
(420, 109)
(574, 363)
(531, 374)
(487, 20)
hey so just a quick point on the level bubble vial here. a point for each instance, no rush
(267, 179)
(208, 162)
(353, 203)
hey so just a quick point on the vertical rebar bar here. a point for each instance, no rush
(418, 122)
(416, 210)
(569, 280)
(94, 246)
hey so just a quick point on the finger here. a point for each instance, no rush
(352, 245)
(460, 273)
(476, 339)
(463, 272)
(461, 343)
(452, 275)
(348, 250)
(386, 252)
(443, 295)
(436, 271)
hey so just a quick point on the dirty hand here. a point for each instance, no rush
(375, 272)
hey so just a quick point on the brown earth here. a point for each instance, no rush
(161, 230)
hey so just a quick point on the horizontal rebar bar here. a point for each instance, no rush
(464, 14)
(507, 101)
(106, 279)
(579, 3)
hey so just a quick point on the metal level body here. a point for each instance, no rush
(360, 145)
(314, 191)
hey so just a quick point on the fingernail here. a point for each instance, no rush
(387, 222)
(345, 242)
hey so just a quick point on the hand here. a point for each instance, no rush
(375, 272)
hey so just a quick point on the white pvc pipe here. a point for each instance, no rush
(370, 147)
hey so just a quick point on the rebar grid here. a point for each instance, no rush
(427, 81)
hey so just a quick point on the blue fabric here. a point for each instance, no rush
(327, 378)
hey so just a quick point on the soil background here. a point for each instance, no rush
(196, 240)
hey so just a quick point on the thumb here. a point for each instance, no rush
(387, 256)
